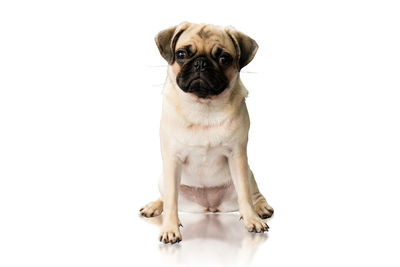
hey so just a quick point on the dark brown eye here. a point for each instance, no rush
(225, 59)
(180, 55)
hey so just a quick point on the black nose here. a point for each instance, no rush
(200, 64)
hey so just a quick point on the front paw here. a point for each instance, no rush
(170, 234)
(254, 223)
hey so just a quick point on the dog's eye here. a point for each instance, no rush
(180, 54)
(225, 59)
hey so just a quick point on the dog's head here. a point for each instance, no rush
(205, 59)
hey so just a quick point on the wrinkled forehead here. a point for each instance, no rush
(205, 38)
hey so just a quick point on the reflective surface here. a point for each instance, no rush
(211, 239)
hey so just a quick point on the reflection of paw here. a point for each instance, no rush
(152, 209)
(252, 242)
(255, 224)
(263, 209)
(170, 234)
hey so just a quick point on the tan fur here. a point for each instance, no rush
(204, 140)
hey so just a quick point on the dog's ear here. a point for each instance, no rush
(246, 48)
(166, 41)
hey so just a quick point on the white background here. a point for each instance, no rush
(80, 101)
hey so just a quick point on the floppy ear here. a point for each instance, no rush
(166, 41)
(246, 48)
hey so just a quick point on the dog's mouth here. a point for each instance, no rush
(201, 87)
(202, 84)
(198, 84)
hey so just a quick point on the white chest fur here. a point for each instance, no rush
(202, 135)
(204, 166)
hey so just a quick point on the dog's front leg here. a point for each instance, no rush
(171, 174)
(239, 168)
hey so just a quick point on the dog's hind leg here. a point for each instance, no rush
(259, 202)
(152, 209)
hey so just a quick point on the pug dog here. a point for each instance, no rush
(204, 129)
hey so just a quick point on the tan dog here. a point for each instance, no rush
(204, 128)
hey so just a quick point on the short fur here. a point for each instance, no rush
(204, 129)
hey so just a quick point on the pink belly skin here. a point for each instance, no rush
(210, 198)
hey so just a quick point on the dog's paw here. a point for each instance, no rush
(255, 224)
(152, 209)
(170, 235)
(263, 209)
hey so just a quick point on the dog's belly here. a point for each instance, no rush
(202, 199)
(206, 183)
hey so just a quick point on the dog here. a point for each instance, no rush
(204, 129)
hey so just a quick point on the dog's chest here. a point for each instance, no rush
(203, 154)
(204, 165)
(205, 139)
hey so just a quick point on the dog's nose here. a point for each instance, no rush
(200, 64)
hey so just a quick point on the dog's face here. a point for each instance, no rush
(205, 59)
